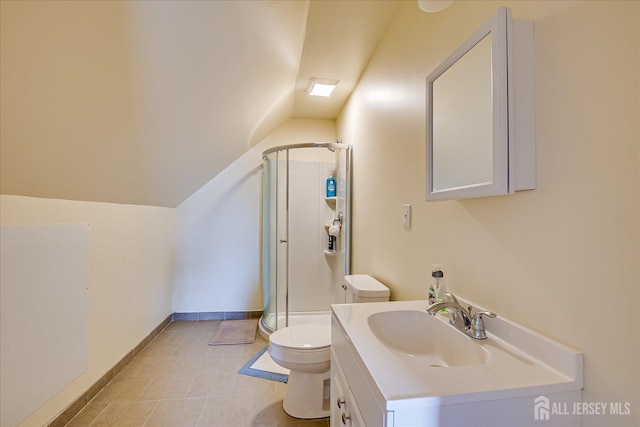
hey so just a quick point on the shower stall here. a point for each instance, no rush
(302, 264)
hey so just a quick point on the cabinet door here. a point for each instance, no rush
(352, 418)
(344, 410)
(338, 394)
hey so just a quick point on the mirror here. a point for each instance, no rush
(471, 129)
(462, 155)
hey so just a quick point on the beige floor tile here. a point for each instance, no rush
(133, 368)
(164, 336)
(233, 362)
(213, 350)
(267, 408)
(225, 411)
(88, 414)
(152, 366)
(176, 413)
(251, 386)
(167, 387)
(123, 414)
(255, 346)
(195, 335)
(190, 349)
(122, 389)
(207, 326)
(201, 365)
(215, 384)
(180, 380)
(180, 326)
(159, 348)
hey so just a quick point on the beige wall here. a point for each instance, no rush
(562, 259)
(218, 229)
(168, 93)
(131, 249)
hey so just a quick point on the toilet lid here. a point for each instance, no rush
(303, 336)
(364, 285)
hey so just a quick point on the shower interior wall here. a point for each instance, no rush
(313, 276)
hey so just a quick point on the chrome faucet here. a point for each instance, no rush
(462, 318)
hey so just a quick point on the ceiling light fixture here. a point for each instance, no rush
(322, 87)
(432, 6)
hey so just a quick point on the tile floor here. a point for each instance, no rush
(180, 380)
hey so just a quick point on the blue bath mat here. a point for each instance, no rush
(258, 373)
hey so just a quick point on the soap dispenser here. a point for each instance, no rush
(331, 186)
(437, 288)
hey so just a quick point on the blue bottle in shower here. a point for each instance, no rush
(331, 186)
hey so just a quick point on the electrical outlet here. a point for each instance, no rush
(406, 215)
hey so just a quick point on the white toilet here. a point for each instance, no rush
(306, 351)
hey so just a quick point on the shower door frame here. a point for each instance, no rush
(346, 217)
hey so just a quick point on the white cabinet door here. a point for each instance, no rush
(344, 410)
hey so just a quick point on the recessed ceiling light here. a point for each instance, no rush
(432, 6)
(322, 87)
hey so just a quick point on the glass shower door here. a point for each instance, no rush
(300, 276)
(274, 241)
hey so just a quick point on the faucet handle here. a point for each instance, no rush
(477, 324)
(477, 318)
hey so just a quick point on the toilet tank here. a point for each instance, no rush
(364, 288)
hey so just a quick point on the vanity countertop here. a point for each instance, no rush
(516, 362)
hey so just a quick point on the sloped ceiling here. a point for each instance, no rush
(143, 102)
(341, 38)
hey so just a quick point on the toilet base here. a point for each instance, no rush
(307, 395)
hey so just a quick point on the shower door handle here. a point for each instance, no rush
(283, 241)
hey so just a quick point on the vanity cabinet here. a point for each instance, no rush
(386, 380)
(349, 378)
(344, 409)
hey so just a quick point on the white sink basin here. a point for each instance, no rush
(411, 354)
(405, 367)
(421, 338)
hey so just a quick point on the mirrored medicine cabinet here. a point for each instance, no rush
(481, 114)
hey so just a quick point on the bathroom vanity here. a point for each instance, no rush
(395, 365)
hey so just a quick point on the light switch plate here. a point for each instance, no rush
(406, 215)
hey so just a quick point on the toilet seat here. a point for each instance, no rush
(302, 347)
(306, 347)
(303, 337)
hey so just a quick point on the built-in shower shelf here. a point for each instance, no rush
(331, 254)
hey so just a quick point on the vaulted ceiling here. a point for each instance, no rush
(143, 102)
